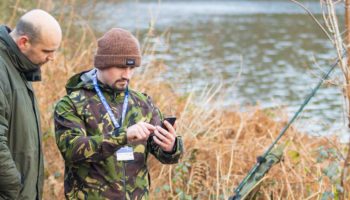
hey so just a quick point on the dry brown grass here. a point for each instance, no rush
(221, 145)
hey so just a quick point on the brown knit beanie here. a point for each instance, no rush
(117, 48)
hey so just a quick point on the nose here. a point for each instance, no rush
(127, 73)
(51, 56)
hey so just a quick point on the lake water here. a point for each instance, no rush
(269, 53)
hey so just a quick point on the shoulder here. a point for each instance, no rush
(76, 101)
(4, 76)
(140, 96)
(64, 104)
(142, 99)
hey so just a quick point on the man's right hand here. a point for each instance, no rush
(139, 132)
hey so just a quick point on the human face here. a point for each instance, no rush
(116, 77)
(41, 51)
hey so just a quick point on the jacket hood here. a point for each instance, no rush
(80, 81)
(84, 80)
(31, 71)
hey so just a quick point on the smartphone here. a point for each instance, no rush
(171, 120)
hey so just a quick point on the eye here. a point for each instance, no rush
(47, 51)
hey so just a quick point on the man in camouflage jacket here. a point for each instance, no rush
(91, 140)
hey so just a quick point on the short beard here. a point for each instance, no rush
(120, 80)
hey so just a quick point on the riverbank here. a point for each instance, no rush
(221, 145)
(220, 149)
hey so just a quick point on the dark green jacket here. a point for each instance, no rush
(83, 134)
(21, 159)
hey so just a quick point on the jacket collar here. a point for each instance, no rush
(30, 70)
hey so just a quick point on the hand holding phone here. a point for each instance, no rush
(171, 120)
(166, 138)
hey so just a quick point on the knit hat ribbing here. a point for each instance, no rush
(117, 48)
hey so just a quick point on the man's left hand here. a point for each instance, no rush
(165, 138)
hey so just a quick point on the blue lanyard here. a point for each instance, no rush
(108, 108)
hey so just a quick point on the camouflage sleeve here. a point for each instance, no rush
(74, 143)
(163, 157)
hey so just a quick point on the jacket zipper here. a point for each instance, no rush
(114, 97)
(31, 94)
(124, 180)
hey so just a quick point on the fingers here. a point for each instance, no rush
(140, 134)
(167, 147)
(170, 128)
(140, 131)
(160, 143)
(164, 137)
(149, 126)
(144, 129)
(165, 133)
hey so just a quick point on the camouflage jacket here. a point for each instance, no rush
(83, 135)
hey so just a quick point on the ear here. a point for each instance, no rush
(23, 42)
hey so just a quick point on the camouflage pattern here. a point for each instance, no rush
(252, 186)
(83, 135)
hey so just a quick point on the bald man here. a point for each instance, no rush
(31, 44)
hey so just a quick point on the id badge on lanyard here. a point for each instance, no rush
(124, 153)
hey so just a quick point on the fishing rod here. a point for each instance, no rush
(262, 159)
